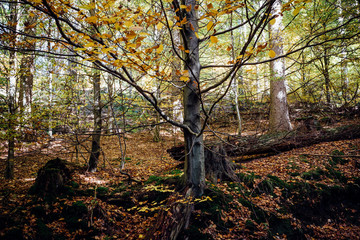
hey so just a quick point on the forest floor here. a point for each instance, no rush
(306, 193)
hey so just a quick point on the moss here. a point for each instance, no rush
(267, 186)
(74, 184)
(278, 226)
(293, 165)
(313, 174)
(336, 174)
(102, 191)
(248, 179)
(336, 159)
(211, 209)
(155, 179)
(294, 174)
(74, 216)
(42, 231)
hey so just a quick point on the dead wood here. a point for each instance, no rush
(270, 144)
(51, 178)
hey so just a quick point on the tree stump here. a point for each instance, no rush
(217, 165)
(51, 178)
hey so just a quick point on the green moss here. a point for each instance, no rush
(248, 179)
(74, 184)
(336, 174)
(102, 191)
(155, 179)
(42, 231)
(74, 216)
(313, 174)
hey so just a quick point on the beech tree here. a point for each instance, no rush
(279, 113)
(12, 18)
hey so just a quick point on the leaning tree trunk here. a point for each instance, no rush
(279, 113)
(95, 145)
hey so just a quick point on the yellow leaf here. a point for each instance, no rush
(183, 6)
(160, 49)
(131, 35)
(214, 39)
(80, 49)
(159, 26)
(296, 11)
(272, 53)
(209, 25)
(105, 35)
(88, 6)
(90, 44)
(197, 35)
(128, 23)
(251, 8)
(184, 78)
(91, 19)
(272, 21)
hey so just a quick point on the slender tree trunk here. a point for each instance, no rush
(95, 145)
(327, 77)
(235, 82)
(9, 170)
(26, 69)
(194, 148)
(279, 113)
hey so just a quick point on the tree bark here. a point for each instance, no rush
(279, 113)
(95, 145)
(327, 76)
(9, 170)
(27, 68)
(194, 149)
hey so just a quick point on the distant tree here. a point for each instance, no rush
(279, 113)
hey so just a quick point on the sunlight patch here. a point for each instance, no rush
(92, 179)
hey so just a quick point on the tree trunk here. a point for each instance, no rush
(194, 149)
(279, 114)
(26, 69)
(235, 81)
(327, 77)
(95, 145)
(9, 170)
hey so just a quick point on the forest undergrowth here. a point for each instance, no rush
(305, 193)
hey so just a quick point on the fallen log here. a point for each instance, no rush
(270, 144)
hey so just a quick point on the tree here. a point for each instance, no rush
(279, 113)
(96, 136)
(13, 21)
